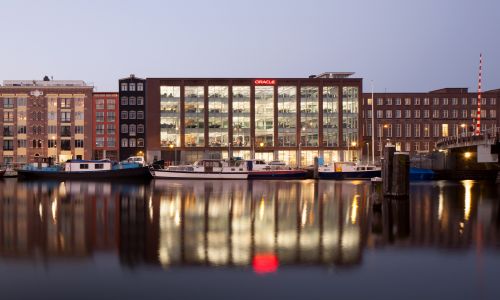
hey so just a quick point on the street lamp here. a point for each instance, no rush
(55, 146)
(380, 140)
(171, 146)
(353, 144)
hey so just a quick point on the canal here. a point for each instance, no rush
(247, 240)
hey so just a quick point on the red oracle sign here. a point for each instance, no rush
(265, 82)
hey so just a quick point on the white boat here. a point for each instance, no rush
(204, 169)
(259, 169)
(348, 170)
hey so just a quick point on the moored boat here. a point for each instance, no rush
(421, 174)
(259, 169)
(84, 169)
(203, 169)
(348, 170)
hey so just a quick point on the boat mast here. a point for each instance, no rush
(373, 127)
(478, 117)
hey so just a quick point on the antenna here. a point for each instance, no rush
(478, 118)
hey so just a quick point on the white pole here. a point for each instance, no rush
(373, 127)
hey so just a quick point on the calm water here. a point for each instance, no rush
(247, 240)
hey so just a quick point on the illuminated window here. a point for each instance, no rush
(350, 100)
(170, 97)
(194, 121)
(444, 130)
(331, 116)
(287, 120)
(264, 115)
(241, 116)
(218, 116)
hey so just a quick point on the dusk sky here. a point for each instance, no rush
(401, 45)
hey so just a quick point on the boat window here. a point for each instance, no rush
(261, 162)
(84, 166)
(99, 166)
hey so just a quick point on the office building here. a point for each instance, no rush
(269, 118)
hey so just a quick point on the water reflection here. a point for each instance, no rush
(260, 225)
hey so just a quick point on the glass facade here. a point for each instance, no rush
(170, 114)
(241, 116)
(194, 122)
(218, 117)
(264, 116)
(309, 102)
(350, 116)
(287, 116)
(330, 116)
(299, 121)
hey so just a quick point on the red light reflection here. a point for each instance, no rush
(265, 263)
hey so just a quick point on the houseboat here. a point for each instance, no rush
(259, 169)
(204, 169)
(84, 169)
(348, 170)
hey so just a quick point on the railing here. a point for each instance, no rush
(490, 136)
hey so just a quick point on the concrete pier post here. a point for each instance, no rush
(400, 174)
(387, 167)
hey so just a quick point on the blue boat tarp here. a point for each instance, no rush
(421, 174)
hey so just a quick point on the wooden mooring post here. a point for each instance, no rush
(395, 173)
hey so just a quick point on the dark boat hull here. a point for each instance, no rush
(421, 174)
(278, 174)
(350, 175)
(142, 172)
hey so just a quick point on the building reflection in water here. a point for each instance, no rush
(231, 223)
(238, 223)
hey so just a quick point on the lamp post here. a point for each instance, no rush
(171, 146)
(368, 152)
(353, 144)
(299, 158)
(348, 143)
(55, 146)
(380, 140)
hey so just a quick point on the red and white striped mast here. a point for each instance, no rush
(478, 117)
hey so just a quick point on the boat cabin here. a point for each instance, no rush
(277, 163)
(137, 159)
(78, 165)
